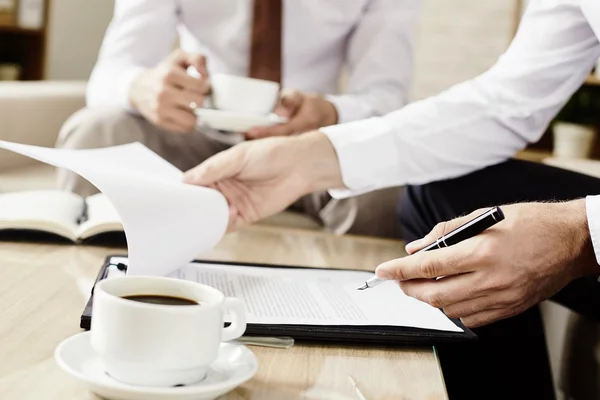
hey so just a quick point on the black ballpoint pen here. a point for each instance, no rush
(463, 232)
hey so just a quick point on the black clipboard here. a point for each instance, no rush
(373, 335)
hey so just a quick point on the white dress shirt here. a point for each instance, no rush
(483, 121)
(373, 38)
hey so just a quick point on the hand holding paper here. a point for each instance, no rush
(167, 223)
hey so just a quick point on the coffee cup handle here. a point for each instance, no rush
(238, 319)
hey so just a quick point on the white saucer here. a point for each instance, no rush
(235, 365)
(235, 122)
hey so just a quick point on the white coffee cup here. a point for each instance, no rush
(156, 344)
(243, 95)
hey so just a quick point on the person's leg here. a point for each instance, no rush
(95, 128)
(512, 352)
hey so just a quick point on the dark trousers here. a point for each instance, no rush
(509, 361)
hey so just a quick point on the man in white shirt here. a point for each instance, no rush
(456, 146)
(139, 89)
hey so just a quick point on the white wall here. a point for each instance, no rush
(76, 28)
(459, 39)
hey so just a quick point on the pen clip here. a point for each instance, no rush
(441, 242)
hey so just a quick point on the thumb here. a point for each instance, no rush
(197, 61)
(289, 103)
(441, 229)
(223, 165)
(177, 57)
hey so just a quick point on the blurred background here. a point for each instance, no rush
(58, 41)
(457, 39)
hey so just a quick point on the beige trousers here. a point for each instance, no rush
(96, 128)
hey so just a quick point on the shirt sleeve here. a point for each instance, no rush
(380, 60)
(140, 35)
(479, 122)
(592, 204)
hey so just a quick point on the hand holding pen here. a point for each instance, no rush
(530, 256)
(468, 230)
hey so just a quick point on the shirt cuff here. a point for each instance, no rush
(592, 205)
(350, 108)
(367, 155)
(124, 88)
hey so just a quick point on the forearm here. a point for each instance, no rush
(573, 218)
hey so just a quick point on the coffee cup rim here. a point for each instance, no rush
(100, 286)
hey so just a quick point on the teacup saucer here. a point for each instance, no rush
(235, 122)
(235, 365)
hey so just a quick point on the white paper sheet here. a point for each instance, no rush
(314, 297)
(167, 223)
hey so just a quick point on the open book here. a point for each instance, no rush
(59, 213)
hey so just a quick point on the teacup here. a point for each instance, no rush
(244, 95)
(154, 331)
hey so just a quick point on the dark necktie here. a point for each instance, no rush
(265, 45)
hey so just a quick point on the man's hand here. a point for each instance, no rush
(261, 178)
(166, 95)
(305, 112)
(525, 259)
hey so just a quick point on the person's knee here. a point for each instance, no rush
(92, 128)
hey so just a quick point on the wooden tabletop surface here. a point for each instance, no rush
(43, 289)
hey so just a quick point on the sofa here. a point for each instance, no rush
(33, 112)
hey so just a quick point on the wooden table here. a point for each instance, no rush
(43, 289)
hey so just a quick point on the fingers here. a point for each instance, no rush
(235, 218)
(184, 60)
(487, 317)
(444, 292)
(289, 103)
(179, 78)
(286, 129)
(188, 100)
(183, 121)
(459, 299)
(226, 164)
(438, 231)
(431, 264)
(198, 61)
(238, 195)
(473, 306)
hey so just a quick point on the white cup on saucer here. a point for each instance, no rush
(140, 342)
(244, 95)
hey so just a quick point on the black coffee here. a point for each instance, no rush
(157, 299)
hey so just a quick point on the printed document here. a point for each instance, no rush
(307, 296)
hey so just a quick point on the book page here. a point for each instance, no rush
(52, 211)
(167, 223)
(310, 296)
(101, 217)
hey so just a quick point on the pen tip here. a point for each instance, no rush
(363, 287)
